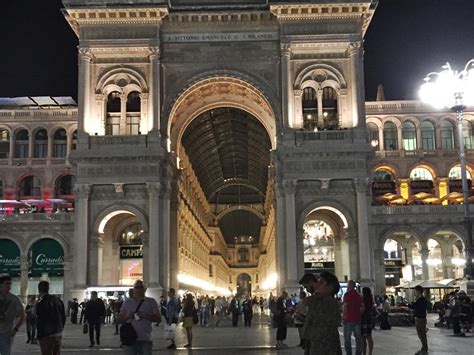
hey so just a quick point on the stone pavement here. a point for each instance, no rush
(258, 340)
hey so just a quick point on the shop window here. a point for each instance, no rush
(409, 136)
(60, 143)
(421, 174)
(390, 139)
(22, 143)
(421, 180)
(467, 134)
(29, 187)
(447, 135)
(4, 143)
(310, 108)
(428, 136)
(41, 144)
(373, 132)
(330, 116)
(383, 183)
(455, 180)
(131, 254)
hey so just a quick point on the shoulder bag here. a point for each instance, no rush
(128, 335)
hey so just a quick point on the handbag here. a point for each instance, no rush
(85, 328)
(128, 335)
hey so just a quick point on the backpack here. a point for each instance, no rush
(128, 335)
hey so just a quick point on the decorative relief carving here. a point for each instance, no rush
(325, 184)
(85, 53)
(118, 188)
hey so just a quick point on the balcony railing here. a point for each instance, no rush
(30, 217)
(96, 142)
(419, 153)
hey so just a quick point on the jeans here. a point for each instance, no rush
(6, 342)
(349, 328)
(94, 326)
(139, 348)
(31, 328)
(420, 324)
(50, 345)
(204, 316)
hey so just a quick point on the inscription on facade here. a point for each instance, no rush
(221, 37)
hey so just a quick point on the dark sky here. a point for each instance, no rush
(407, 39)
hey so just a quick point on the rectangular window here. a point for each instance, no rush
(41, 149)
(21, 149)
(427, 139)
(446, 139)
(409, 140)
(59, 150)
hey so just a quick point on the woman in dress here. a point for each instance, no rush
(189, 315)
(324, 317)
(366, 324)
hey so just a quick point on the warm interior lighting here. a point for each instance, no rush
(270, 282)
(202, 284)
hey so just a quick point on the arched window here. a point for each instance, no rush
(373, 132)
(113, 102)
(455, 179)
(455, 173)
(29, 188)
(383, 183)
(22, 143)
(65, 186)
(331, 119)
(409, 136)
(133, 113)
(421, 180)
(421, 174)
(4, 143)
(60, 143)
(390, 136)
(467, 134)
(447, 135)
(74, 140)
(112, 126)
(41, 144)
(428, 136)
(310, 108)
(243, 255)
(133, 102)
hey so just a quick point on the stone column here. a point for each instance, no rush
(379, 267)
(81, 236)
(24, 268)
(286, 89)
(49, 154)
(165, 239)
(83, 95)
(143, 127)
(100, 102)
(289, 187)
(447, 256)
(154, 88)
(357, 83)
(123, 115)
(11, 154)
(66, 279)
(366, 277)
(298, 116)
(280, 242)
(174, 249)
(381, 141)
(100, 258)
(424, 256)
(151, 255)
(319, 98)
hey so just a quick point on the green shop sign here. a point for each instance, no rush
(47, 256)
(9, 258)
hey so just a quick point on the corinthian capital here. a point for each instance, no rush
(355, 47)
(285, 49)
(154, 52)
(85, 53)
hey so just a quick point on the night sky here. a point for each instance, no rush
(406, 40)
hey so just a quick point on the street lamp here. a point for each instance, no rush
(455, 90)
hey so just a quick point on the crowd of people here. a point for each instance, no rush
(316, 312)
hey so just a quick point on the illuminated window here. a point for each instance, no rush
(373, 132)
(409, 136)
(4, 144)
(310, 108)
(421, 174)
(131, 235)
(331, 119)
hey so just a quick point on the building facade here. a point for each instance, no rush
(226, 146)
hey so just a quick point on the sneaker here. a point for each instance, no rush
(98, 342)
(188, 346)
(28, 341)
(171, 346)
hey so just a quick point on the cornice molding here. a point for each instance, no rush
(336, 11)
(112, 16)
